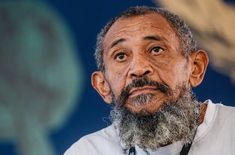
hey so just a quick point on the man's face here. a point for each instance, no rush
(150, 81)
(144, 47)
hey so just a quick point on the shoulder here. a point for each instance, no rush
(216, 135)
(225, 111)
(223, 114)
(95, 142)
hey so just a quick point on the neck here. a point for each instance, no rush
(203, 108)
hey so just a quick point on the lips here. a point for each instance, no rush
(141, 90)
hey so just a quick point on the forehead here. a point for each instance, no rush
(137, 27)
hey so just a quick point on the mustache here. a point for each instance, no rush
(136, 83)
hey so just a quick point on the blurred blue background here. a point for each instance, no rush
(85, 19)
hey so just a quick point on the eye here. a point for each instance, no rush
(120, 56)
(156, 50)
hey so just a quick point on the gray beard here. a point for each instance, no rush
(174, 121)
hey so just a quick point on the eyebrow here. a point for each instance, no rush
(117, 42)
(154, 37)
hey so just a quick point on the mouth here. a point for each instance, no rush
(141, 90)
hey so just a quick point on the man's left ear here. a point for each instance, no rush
(199, 64)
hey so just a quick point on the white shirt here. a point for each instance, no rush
(215, 136)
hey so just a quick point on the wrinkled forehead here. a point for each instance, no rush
(136, 27)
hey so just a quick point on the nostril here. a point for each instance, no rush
(133, 75)
(140, 73)
(146, 72)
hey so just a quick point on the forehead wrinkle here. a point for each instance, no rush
(152, 36)
(127, 28)
(121, 28)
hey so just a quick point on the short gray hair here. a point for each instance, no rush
(182, 30)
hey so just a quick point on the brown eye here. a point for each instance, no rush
(120, 57)
(156, 50)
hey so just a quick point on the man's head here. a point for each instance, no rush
(147, 61)
(187, 42)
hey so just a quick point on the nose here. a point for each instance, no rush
(140, 67)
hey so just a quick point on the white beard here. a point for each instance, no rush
(174, 121)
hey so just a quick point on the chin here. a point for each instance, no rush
(144, 109)
(145, 104)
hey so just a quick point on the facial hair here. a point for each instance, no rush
(144, 98)
(176, 120)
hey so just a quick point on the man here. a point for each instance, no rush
(148, 64)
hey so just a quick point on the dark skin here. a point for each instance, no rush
(146, 46)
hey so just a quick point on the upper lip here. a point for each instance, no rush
(133, 90)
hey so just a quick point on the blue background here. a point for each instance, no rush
(85, 19)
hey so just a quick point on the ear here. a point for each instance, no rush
(199, 64)
(100, 84)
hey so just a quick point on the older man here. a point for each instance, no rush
(148, 63)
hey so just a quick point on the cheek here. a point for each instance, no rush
(173, 73)
(116, 81)
(115, 76)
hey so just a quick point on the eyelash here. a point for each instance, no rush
(118, 54)
(124, 54)
(157, 47)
